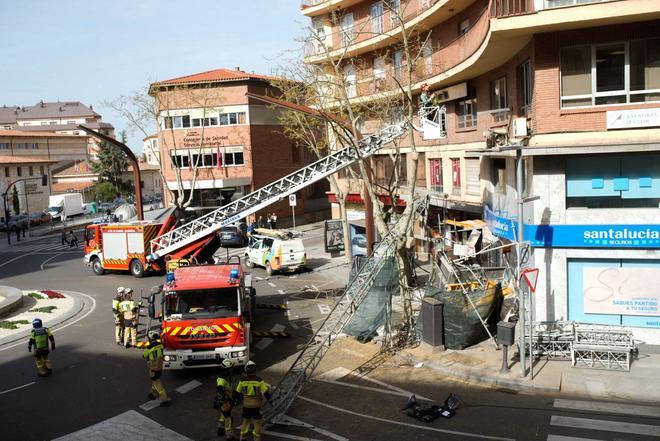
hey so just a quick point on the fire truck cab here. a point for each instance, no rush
(205, 312)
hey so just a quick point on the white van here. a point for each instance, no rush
(275, 251)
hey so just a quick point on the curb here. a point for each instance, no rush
(13, 298)
(76, 308)
(477, 377)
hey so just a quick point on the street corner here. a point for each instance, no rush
(53, 307)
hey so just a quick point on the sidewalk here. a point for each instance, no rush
(480, 364)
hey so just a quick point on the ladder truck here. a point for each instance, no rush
(311, 355)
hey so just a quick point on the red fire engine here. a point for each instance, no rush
(205, 312)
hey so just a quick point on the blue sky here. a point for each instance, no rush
(97, 50)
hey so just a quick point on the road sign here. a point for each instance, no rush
(292, 200)
(531, 276)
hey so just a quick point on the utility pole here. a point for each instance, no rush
(520, 239)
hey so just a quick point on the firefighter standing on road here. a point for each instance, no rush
(254, 390)
(225, 399)
(154, 356)
(129, 309)
(39, 339)
(119, 317)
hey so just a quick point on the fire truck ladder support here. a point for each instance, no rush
(263, 197)
(302, 369)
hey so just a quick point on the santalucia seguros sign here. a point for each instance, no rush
(577, 236)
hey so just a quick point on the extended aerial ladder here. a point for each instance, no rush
(271, 193)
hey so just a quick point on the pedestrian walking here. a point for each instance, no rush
(119, 316)
(39, 339)
(73, 240)
(273, 220)
(129, 309)
(253, 390)
(65, 240)
(260, 222)
(153, 354)
(225, 399)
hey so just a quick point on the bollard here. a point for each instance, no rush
(505, 336)
(433, 323)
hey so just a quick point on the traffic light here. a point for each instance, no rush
(44, 180)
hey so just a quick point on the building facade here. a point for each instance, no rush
(224, 145)
(25, 173)
(575, 86)
(58, 117)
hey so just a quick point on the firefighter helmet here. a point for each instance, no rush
(120, 290)
(227, 364)
(153, 335)
(128, 293)
(37, 323)
(250, 367)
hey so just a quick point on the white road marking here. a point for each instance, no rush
(59, 328)
(604, 425)
(278, 328)
(150, 405)
(280, 291)
(272, 284)
(325, 309)
(43, 264)
(16, 388)
(600, 406)
(259, 278)
(293, 277)
(284, 435)
(263, 343)
(335, 374)
(317, 429)
(188, 386)
(398, 423)
(569, 438)
(128, 425)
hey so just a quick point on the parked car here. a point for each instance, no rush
(275, 253)
(40, 218)
(104, 207)
(232, 237)
(359, 245)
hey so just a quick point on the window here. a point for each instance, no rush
(463, 26)
(44, 123)
(618, 73)
(397, 64)
(395, 114)
(230, 119)
(233, 156)
(427, 56)
(349, 81)
(424, 4)
(52, 123)
(379, 74)
(498, 94)
(472, 185)
(395, 11)
(499, 175)
(26, 145)
(70, 122)
(435, 169)
(19, 172)
(295, 153)
(559, 3)
(456, 176)
(525, 88)
(466, 111)
(41, 170)
(377, 18)
(181, 121)
(6, 172)
(4, 146)
(31, 170)
(387, 169)
(346, 29)
(167, 122)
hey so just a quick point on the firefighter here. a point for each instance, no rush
(153, 354)
(253, 390)
(119, 317)
(39, 339)
(225, 399)
(129, 309)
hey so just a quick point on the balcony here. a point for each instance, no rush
(312, 8)
(377, 32)
(508, 8)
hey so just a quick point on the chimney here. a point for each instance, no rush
(237, 68)
(91, 107)
(41, 103)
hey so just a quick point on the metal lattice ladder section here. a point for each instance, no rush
(302, 369)
(261, 198)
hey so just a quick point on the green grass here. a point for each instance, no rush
(36, 296)
(46, 309)
(12, 324)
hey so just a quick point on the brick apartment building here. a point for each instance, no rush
(237, 144)
(575, 83)
(58, 117)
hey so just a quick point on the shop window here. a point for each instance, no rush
(456, 176)
(435, 169)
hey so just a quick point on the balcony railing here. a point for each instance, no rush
(507, 8)
(304, 4)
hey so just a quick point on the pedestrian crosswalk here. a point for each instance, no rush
(49, 246)
(612, 425)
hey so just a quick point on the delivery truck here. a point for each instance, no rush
(63, 206)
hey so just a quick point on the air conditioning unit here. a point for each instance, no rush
(520, 127)
(497, 137)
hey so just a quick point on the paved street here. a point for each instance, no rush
(96, 380)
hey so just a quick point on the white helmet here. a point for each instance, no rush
(153, 335)
(120, 290)
(227, 363)
(128, 292)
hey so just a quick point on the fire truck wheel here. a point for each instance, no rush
(248, 262)
(97, 267)
(137, 269)
(269, 269)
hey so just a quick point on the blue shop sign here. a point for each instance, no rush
(577, 236)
